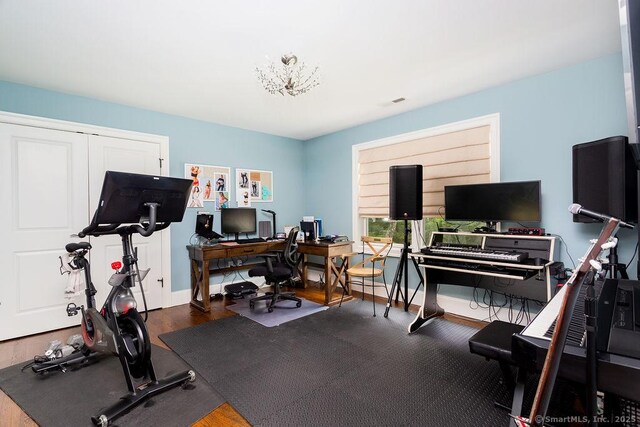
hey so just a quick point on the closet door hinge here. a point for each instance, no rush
(161, 160)
(161, 280)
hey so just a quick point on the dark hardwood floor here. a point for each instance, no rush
(160, 321)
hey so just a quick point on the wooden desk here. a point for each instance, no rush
(333, 274)
(200, 256)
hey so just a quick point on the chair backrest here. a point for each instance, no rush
(291, 255)
(379, 252)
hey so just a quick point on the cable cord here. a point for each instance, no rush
(135, 264)
(635, 251)
(566, 249)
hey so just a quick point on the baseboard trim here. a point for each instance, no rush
(180, 297)
(457, 306)
(450, 304)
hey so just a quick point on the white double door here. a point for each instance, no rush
(50, 182)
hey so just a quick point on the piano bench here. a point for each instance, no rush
(494, 342)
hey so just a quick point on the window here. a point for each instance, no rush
(460, 153)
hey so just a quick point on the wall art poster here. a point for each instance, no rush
(210, 184)
(257, 184)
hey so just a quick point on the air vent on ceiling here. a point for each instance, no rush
(395, 101)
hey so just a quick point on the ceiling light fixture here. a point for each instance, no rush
(289, 77)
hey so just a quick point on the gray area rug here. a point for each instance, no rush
(343, 367)
(285, 311)
(71, 398)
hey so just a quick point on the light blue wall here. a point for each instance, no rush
(541, 118)
(190, 141)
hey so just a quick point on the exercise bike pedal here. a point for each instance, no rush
(73, 309)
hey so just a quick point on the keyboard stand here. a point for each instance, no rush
(534, 282)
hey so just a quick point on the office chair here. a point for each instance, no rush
(367, 267)
(280, 267)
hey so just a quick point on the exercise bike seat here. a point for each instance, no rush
(72, 247)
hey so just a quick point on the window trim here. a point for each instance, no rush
(492, 120)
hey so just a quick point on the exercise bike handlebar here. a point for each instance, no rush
(95, 229)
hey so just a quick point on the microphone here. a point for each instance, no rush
(578, 209)
(267, 210)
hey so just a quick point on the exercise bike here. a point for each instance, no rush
(145, 204)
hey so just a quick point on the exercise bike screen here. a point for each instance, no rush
(123, 198)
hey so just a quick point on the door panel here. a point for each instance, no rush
(116, 154)
(43, 175)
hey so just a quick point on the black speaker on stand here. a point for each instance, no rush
(605, 180)
(405, 203)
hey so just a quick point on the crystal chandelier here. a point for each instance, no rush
(287, 78)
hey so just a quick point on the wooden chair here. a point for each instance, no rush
(370, 267)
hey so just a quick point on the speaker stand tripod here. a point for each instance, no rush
(402, 272)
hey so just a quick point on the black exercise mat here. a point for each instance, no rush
(344, 367)
(71, 398)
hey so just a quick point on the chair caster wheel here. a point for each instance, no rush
(251, 305)
(270, 309)
(299, 304)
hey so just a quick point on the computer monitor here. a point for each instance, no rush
(500, 201)
(123, 198)
(238, 220)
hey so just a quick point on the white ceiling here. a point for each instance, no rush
(197, 58)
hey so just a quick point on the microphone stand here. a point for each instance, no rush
(611, 269)
(590, 323)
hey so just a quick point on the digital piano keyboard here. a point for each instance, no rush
(517, 265)
(476, 253)
(618, 338)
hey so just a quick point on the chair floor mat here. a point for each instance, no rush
(284, 311)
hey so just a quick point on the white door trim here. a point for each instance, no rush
(62, 125)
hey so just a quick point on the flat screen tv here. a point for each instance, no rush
(238, 220)
(493, 202)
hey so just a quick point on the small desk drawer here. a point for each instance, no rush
(245, 250)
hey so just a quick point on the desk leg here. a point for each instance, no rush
(430, 308)
(328, 283)
(345, 277)
(200, 285)
(305, 270)
(340, 277)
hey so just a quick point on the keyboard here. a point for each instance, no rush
(618, 339)
(251, 240)
(476, 253)
(475, 267)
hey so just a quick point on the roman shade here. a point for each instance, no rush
(460, 157)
